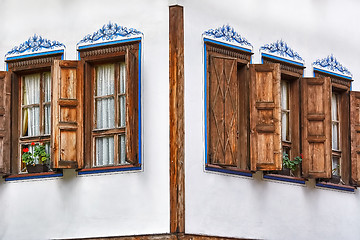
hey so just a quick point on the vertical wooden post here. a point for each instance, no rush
(176, 91)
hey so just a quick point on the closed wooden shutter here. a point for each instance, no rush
(265, 117)
(223, 111)
(67, 115)
(5, 101)
(355, 136)
(316, 127)
(132, 107)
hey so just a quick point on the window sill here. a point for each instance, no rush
(27, 176)
(335, 186)
(285, 178)
(228, 170)
(109, 169)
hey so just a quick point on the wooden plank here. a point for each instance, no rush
(177, 134)
(355, 136)
(5, 121)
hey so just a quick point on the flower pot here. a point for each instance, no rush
(37, 168)
(284, 171)
(335, 179)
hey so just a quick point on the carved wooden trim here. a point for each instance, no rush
(284, 66)
(334, 79)
(108, 50)
(229, 52)
(27, 63)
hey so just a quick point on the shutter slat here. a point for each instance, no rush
(5, 119)
(355, 136)
(265, 117)
(316, 127)
(67, 115)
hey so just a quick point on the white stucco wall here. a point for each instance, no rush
(104, 205)
(224, 205)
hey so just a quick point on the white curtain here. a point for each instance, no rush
(335, 123)
(105, 113)
(284, 112)
(47, 99)
(31, 115)
(122, 149)
(122, 99)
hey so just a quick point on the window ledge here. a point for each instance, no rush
(27, 176)
(285, 178)
(108, 169)
(228, 170)
(336, 186)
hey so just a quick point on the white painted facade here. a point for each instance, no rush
(134, 203)
(224, 205)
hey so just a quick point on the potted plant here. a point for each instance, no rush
(290, 166)
(36, 161)
(335, 176)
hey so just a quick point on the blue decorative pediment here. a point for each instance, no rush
(35, 44)
(226, 33)
(282, 50)
(332, 65)
(109, 33)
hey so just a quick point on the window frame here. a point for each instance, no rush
(91, 56)
(18, 68)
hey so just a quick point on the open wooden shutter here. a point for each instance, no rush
(5, 102)
(223, 111)
(67, 114)
(265, 117)
(316, 127)
(132, 107)
(355, 136)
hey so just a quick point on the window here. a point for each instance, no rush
(243, 115)
(111, 105)
(31, 92)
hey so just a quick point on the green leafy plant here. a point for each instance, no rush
(39, 153)
(291, 164)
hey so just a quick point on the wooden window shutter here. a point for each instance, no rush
(132, 106)
(67, 114)
(316, 127)
(265, 117)
(222, 116)
(355, 136)
(5, 113)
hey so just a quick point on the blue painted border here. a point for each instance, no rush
(34, 54)
(34, 177)
(228, 171)
(281, 59)
(109, 170)
(279, 178)
(109, 43)
(335, 187)
(331, 73)
(227, 45)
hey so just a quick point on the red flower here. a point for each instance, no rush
(32, 144)
(25, 150)
(301, 155)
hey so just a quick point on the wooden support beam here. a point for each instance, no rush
(176, 85)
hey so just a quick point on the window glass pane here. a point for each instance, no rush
(122, 148)
(336, 166)
(122, 78)
(284, 126)
(334, 106)
(47, 119)
(31, 89)
(47, 87)
(31, 121)
(105, 75)
(285, 112)
(104, 151)
(284, 95)
(122, 111)
(335, 136)
(105, 113)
